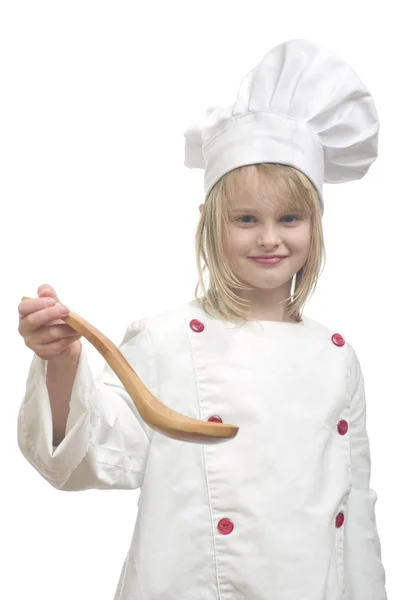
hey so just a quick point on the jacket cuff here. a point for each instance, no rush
(35, 428)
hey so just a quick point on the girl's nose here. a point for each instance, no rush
(269, 237)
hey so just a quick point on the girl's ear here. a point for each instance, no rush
(201, 208)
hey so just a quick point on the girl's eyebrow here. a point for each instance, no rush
(255, 210)
(245, 209)
(258, 210)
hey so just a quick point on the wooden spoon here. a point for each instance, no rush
(156, 414)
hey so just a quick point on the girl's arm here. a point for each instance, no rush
(363, 561)
(61, 375)
(106, 442)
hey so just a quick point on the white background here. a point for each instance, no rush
(95, 200)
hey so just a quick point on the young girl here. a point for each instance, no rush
(284, 510)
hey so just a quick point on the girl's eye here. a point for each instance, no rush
(252, 217)
(245, 217)
(291, 216)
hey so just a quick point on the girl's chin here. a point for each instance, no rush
(271, 283)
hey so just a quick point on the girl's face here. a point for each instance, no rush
(257, 227)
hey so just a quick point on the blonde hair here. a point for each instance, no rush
(295, 192)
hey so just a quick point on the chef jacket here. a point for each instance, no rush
(283, 511)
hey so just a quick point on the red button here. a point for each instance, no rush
(338, 340)
(196, 325)
(339, 519)
(343, 427)
(215, 419)
(225, 526)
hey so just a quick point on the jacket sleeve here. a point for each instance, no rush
(365, 574)
(106, 441)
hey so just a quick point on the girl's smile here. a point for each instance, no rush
(267, 261)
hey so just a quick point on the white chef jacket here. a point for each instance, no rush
(283, 511)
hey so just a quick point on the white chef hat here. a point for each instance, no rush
(302, 106)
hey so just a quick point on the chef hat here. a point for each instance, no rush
(302, 106)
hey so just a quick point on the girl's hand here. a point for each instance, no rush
(42, 328)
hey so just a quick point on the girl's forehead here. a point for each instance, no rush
(260, 197)
(250, 188)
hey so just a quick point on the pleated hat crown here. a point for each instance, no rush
(302, 106)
